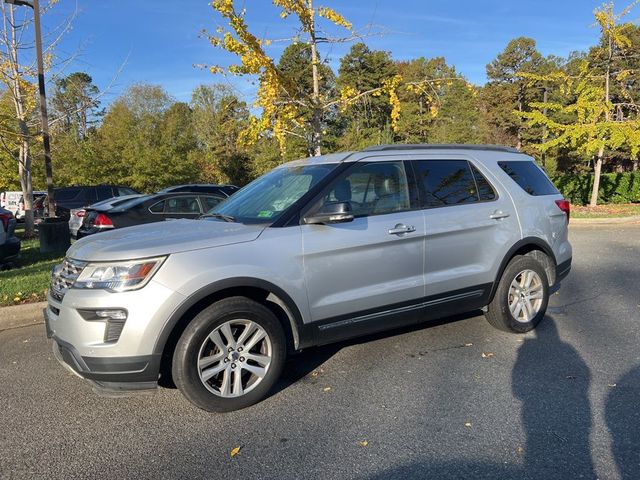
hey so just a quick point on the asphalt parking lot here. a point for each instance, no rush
(453, 399)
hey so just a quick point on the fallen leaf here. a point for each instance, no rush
(326, 389)
(467, 424)
(363, 443)
(612, 385)
(519, 450)
(487, 354)
(314, 374)
(468, 344)
(235, 451)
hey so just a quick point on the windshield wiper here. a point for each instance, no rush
(226, 218)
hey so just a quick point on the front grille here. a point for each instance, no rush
(63, 277)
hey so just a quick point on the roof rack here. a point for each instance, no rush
(431, 146)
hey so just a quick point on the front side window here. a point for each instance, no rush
(446, 182)
(375, 188)
(265, 199)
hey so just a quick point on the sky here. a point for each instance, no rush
(121, 42)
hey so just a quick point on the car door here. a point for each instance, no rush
(374, 263)
(470, 224)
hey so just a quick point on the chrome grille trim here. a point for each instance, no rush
(64, 276)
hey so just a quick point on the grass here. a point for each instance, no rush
(606, 211)
(28, 280)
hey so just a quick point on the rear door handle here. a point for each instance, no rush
(498, 214)
(401, 228)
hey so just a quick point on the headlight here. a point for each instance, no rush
(118, 276)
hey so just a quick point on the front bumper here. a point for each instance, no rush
(106, 373)
(126, 360)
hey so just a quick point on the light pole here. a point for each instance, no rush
(35, 6)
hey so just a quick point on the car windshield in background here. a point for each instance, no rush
(265, 199)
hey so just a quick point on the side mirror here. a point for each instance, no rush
(333, 212)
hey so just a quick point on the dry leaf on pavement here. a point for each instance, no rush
(487, 354)
(235, 451)
(363, 443)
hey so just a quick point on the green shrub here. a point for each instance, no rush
(614, 187)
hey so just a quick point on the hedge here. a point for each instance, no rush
(614, 187)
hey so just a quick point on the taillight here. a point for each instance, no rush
(565, 206)
(80, 213)
(4, 218)
(103, 221)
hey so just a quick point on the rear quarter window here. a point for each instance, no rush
(529, 177)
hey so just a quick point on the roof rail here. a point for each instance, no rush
(431, 146)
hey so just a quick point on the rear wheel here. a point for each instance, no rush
(230, 355)
(521, 299)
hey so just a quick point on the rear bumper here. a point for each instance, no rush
(10, 249)
(107, 374)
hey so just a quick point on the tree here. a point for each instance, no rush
(278, 97)
(18, 74)
(593, 122)
(75, 103)
(218, 120)
(443, 110)
(506, 91)
(145, 140)
(365, 118)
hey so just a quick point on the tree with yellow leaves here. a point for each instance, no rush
(592, 123)
(285, 108)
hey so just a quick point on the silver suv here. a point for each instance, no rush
(315, 251)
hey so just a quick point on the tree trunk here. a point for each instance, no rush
(596, 178)
(316, 119)
(24, 155)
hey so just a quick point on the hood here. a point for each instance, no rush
(161, 238)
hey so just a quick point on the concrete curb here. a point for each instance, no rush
(604, 221)
(21, 315)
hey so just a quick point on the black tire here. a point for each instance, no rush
(185, 359)
(498, 313)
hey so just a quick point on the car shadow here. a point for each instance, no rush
(302, 364)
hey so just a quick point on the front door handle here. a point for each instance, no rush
(498, 214)
(401, 228)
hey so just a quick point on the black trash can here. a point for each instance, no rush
(54, 235)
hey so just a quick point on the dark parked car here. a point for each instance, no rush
(9, 243)
(223, 190)
(82, 195)
(147, 209)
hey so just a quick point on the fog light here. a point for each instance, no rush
(114, 314)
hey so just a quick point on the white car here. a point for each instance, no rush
(9, 200)
(76, 216)
(19, 211)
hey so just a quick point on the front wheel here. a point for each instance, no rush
(521, 299)
(230, 355)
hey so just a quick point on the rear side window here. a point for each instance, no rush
(485, 190)
(446, 182)
(530, 177)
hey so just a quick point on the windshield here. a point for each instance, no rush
(266, 198)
